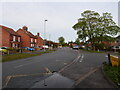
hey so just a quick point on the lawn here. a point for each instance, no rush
(92, 51)
(113, 73)
(12, 57)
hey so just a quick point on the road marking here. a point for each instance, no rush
(106, 56)
(75, 60)
(24, 65)
(23, 75)
(85, 76)
(47, 70)
(65, 63)
(82, 56)
(7, 81)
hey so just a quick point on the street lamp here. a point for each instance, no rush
(44, 32)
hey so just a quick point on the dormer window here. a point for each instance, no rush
(14, 38)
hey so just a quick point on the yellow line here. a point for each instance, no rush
(85, 76)
(48, 71)
(23, 75)
(7, 80)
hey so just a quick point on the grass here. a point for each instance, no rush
(113, 73)
(92, 51)
(12, 57)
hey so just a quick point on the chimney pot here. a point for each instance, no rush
(38, 34)
(25, 28)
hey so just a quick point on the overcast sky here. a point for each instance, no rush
(61, 16)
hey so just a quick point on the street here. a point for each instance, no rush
(53, 61)
(76, 65)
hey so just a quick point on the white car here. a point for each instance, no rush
(45, 46)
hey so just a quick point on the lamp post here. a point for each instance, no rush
(44, 32)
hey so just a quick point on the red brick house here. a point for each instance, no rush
(9, 37)
(40, 41)
(27, 38)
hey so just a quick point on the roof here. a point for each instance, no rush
(28, 33)
(9, 30)
(38, 37)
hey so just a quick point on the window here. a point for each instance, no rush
(31, 39)
(18, 39)
(14, 37)
(35, 40)
(32, 45)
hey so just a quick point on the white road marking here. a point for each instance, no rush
(65, 63)
(106, 56)
(75, 60)
(23, 65)
(82, 56)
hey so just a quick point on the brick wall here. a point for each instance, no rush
(25, 39)
(5, 39)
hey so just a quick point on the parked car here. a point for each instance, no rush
(75, 47)
(45, 46)
(3, 49)
(41, 48)
(29, 49)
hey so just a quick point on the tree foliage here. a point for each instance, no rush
(77, 41)
(92, 25)
(61, 40)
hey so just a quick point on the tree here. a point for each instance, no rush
(77, 41)
(93, 25)
(61, 40)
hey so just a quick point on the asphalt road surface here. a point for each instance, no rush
(53, 61)
(77, 65)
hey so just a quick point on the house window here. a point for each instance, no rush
(31, 45)
(14, 37)
(31, 39)
(18, 39)
(35, 40)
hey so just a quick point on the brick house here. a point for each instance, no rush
(27, 38)
(40, 41)
(9, 37)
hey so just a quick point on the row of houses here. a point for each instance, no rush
(20, 38)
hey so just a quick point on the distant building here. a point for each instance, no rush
(9, 37)
(40, 41)
(27, 38)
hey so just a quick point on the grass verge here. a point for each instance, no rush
(12, 57)
(92, 51)
(112, 73)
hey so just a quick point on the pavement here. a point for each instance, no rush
(74, 69)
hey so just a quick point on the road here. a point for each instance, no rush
(53, 61)
(76, 65)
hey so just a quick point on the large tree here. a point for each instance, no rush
(77, 41)
(93, 25)
(61, 40)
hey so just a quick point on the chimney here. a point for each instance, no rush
(38, 34)
(25, 28)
